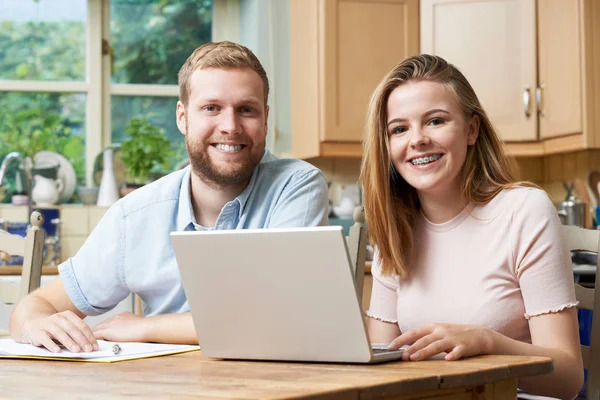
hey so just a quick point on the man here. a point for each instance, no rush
(232, 183)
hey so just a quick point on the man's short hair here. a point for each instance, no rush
(219, 55)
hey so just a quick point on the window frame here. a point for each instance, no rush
(98, 87)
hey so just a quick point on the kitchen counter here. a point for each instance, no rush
(16, 270)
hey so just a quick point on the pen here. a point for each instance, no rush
(116, 348)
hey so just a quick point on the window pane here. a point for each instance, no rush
(151, 39)
(43, 39)
(159, 111)
(33, 122)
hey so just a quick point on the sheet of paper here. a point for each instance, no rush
(129, 351)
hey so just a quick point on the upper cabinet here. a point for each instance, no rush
(493, 44)
(531, 64)
(560, 62)
(340, 51)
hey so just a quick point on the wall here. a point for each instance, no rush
(551, 171)
(265, 29)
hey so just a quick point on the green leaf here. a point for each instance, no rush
(22, 71)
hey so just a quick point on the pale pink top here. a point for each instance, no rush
(494, 265)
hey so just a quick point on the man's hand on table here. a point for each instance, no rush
(124, 327)
(63, 328)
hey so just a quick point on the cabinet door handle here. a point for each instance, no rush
(538, 98)
(526, 97)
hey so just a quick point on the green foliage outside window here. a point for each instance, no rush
(42, 51)
(37, 127)
(151, 39)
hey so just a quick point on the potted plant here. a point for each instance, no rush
(145, 150)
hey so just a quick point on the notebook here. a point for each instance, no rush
(275, 294)
(128, 351)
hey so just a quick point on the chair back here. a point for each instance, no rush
(588, 240)
(357, 247)
(31, 248)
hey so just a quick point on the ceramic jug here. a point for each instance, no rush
(46, 191)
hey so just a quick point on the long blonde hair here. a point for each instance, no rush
(391, 204)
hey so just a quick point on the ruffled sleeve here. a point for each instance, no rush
(542, 261)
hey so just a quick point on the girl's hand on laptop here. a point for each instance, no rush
(123, 327)
(61, 329)
(457, 340)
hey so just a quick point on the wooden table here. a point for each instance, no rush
(191, 375)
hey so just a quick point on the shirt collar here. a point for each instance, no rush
(185, 212)
(186, 218)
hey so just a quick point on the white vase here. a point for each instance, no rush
(108, 193)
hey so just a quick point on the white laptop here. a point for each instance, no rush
(275, 294)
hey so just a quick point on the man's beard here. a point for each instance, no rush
(203, 167)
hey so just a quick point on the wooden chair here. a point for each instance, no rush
(357, 247)
(588, 240)
(31, 248)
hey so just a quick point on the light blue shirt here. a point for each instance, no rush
(130, 250)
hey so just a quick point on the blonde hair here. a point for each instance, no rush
(219, 55)
(391, 204)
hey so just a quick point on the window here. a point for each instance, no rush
(74, 72)
(42, 73)
(149, 43)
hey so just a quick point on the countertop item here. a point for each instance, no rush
(88, 195)
(574, 210)
(66, 173)
(118, 166)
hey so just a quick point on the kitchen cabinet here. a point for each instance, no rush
(560, 68)
(535, 66)
(340, 50)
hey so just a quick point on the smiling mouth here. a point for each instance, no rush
(425, 160)
(229, 148)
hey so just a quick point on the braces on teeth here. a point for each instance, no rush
(425, 160)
